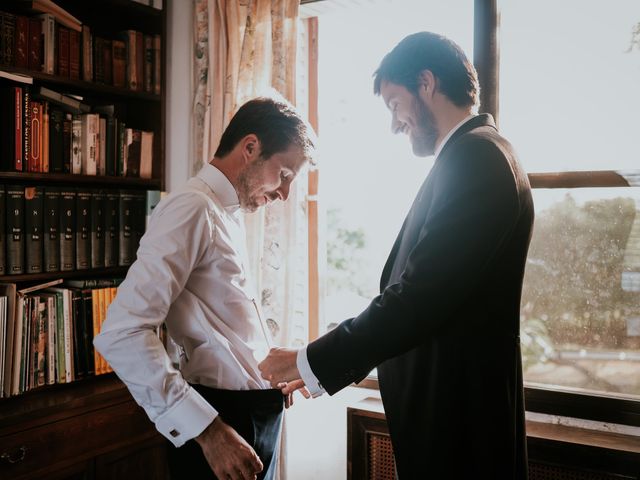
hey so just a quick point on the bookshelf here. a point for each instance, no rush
(90, 427)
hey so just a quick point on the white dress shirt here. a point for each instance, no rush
(302, 360)
(191, 273)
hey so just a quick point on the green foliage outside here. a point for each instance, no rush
(572, 297)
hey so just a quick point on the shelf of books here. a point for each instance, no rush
(81, 166)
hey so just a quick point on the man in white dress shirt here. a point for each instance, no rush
(192, 274)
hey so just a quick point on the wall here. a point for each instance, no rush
(179, 52)
(316, 435)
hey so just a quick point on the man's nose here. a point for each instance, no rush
(283, 191)
(396, 126)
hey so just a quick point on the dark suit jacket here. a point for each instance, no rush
(444, 332)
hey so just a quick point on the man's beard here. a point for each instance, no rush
(425, 135)
(248, 181)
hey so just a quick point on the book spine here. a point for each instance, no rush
(111, 229)
(87, 54)
(63, 52)
(44, 128)
(26, 128)
(76, 144)
(67, 230)
(88, 331)
(35, 47)
(83, 230)
(146, 155)
(3, 232)
(107, 62)
(7, 39)
(74, 55)
(22, 41)
(119, 60)
(33, 228)
(51, 229)
(41, 377)
(140, 60)
(77, 308)
(101, 162)
(56, 141)
(90, 132)
(98, 65)
(51, 339)
(18, 129)
(35, 149)
(157, 64)
(48, 43)
(98, 200)
(133, 153)
(67, 136)
(110, 146)
(60, 363)
(15, 229)
(127, 228)
(148, 63)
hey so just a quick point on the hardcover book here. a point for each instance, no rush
(67, 229)
(98, 202)
(51, 227)
(33, 206)
(15, 229)
(83, 229)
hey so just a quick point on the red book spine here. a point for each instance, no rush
(35, 44)
(17, 164)
(22, 41)
(35, 155)
(63, 52)
(74, 54)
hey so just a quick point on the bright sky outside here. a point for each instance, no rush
(366, 171)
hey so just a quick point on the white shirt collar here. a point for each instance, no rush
(451, 132)
(221, 186)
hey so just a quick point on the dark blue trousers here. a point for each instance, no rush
(257, 417)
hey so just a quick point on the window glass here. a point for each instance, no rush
(570, 83)
(580, 324)
(368, 176)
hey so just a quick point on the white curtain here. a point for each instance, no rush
(243, 49)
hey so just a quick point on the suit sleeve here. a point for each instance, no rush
(473, 211)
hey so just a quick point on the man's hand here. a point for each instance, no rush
(280, 366)
(288, 388)
(228, 454)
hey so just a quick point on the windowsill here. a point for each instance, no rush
(554, 428)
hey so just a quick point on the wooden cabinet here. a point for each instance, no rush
(555, 452)
(87, 429)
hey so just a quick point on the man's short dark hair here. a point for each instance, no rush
(457, 78)
(277, 125)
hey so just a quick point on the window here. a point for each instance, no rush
(569, 102)
(363, 218)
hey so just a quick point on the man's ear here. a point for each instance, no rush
(250, 146)
(426, 83)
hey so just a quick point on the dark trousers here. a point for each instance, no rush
(257, 417)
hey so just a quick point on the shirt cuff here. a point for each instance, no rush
(307, 375)
(187, 419)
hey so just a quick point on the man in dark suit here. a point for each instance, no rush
(444, 331)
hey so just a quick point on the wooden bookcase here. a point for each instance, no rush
(90, 428)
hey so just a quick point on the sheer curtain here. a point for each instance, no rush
(243, 49)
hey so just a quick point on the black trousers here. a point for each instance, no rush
(257, 417)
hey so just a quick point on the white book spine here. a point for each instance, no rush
(76, 145)
(102, 141)
(49, 42)
(51, 340)
(68, 345)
